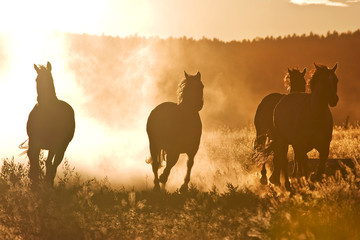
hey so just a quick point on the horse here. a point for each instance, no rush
(175, 128)
(50, 126)
(294, 81)
(304, 120)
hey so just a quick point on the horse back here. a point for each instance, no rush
(55, 123)
(263, 119)
(296, 123)
(171, 127)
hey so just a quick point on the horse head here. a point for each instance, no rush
(190, 92)
(295, 80)
(324, 81)
(45, 83)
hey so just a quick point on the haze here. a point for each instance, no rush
(32, 32)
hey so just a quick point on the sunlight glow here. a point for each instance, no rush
(97, 149)
(17, 83)
(41, 15)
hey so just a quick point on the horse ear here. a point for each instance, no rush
(303, 72)
(36, 68)
(186, 75)
(198, 75)
(334, 68)
(316, 66)
(48, 66)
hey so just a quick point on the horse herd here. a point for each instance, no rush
(300, 119)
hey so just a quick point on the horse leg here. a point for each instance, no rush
(297, 168)
(33, 154)
(280, 162)
(303, 165)
(275, 176)
(155, 155)
(323, 155)
(49, 164)
(286, 173)
(301, 161)
(171, 160)
(190, 163)
(284, 165)
(263, 179)
(59, 155)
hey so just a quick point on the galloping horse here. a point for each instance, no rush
(176, 128)
(294, 81)
(305, 121)
(50, 126)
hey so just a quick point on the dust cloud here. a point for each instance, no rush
(123, 80)
(113, 84)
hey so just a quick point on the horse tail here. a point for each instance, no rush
(24, 145)
(269, 148)
(149, 160)
(160, 157)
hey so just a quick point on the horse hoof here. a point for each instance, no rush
(162, 179)
(316, 177)
(184, 188)
(263, 181)
(157, 188)
(274, 181)
(288, 187)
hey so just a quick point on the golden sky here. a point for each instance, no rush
(224, 19)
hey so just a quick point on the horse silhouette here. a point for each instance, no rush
(294, 81)
(50, 126)
(304, 120)
(175, 128)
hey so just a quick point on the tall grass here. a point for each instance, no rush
(78, 208)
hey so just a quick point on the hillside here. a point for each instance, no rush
(138, 73)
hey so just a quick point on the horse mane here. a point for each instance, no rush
(190, 93)
(181, 88)
(287, 81)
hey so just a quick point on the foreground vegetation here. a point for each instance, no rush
(79, 208)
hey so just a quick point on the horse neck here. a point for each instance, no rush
(47, 98)
(296, 87)
(319, 105)
(48, 101)
(46, 94)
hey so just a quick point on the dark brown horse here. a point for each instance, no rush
(294, 81)
(176, 128)
(304, 120)
(50, 126)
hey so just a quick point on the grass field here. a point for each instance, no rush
(226, 203)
